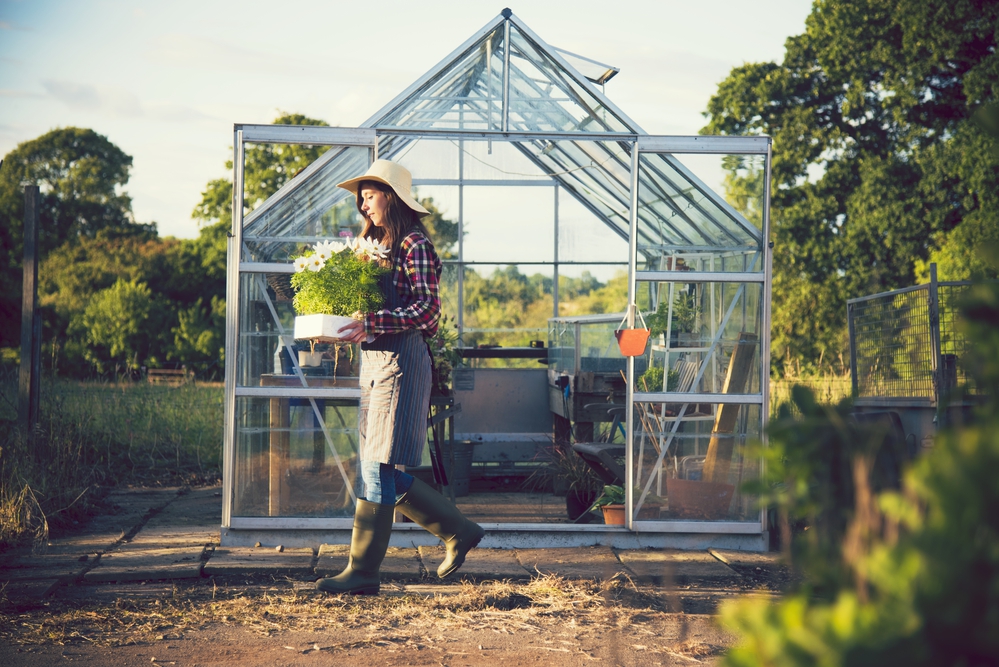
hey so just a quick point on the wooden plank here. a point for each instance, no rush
(719, 456)
(30, 371)
(142, 564)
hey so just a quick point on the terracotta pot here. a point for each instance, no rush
(632, 341)
(705, 501)
(613, 514)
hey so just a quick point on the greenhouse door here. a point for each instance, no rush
(700, 271)
(290, 457)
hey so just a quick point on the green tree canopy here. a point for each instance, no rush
(119, 325)
(80, 175)
(877, 165)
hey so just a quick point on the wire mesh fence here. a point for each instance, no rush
(907, 343)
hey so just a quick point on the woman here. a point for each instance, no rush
(395, 386)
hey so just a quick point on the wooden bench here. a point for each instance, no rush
(170, 376)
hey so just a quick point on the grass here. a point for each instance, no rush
(351, 621)
(94, 436)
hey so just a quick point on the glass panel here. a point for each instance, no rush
(314, 209)
(596, 174)
(499, 160)
(286, 466)
(267, 323)
(467, 94)
(583, 237)
(709, 340)
(692, 467)
(509, 224)
(543, 97)
(426, 158)
(592, 289)
(680, 211)
(506, 306)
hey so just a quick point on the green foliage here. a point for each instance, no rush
(80, 175)
(685, 313)
(119, 326)
(444, 348)
(94, 436)
(878, 166)
(613, 494)
(346, 285)
(908, 577)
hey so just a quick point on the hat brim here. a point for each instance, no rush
(352, 185)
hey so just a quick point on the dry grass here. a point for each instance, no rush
(502, 607)
(94, 436)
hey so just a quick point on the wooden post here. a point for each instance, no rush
(28, 379)
(721, 445)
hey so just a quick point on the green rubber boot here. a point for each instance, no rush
(368, 543)
(433, 511)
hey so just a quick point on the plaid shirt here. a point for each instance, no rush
(416, 272)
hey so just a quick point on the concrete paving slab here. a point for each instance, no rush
(480, 564)
(260, 560)
(572, 563)
(44, 566)
(138, 565)
(672, 566)
(173, 536)
(91, 543)
(748, 558)
(35, 589)
(399, 563)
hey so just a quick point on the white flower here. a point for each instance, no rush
(301, 264)
(364, 247)
(316, 263)
(321, 250)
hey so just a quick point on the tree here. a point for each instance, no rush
(119, 324)
(877, 164)
(81, 175)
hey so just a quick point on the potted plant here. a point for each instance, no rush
(567, 472)
(683, 324)
(334, 282)
(611, 503)
(444, 348)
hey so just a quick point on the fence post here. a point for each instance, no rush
(854, 380)
(28, 378)
(935, 335)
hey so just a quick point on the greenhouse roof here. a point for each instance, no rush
(503, 83)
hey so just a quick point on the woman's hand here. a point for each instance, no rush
(353, 332)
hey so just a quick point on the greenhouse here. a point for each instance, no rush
(558, 221)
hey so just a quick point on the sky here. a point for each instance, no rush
(166, 80)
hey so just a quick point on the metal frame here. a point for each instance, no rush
(615, 159)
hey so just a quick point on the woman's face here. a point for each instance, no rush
(373, 204)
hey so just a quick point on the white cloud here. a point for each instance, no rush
(117, 102)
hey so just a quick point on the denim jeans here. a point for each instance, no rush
(383, 483)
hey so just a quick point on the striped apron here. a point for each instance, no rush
(395, 393)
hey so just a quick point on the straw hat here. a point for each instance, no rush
(393, 175)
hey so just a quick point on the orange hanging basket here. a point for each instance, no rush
(632, 341)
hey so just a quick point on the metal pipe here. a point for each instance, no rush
(506, 75)
(233, 248)
(629, 455)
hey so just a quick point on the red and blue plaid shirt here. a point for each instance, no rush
(416, 272)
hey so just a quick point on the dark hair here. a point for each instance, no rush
(400, 219)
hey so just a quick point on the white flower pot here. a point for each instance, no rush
(306, 358)
(320, 327)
